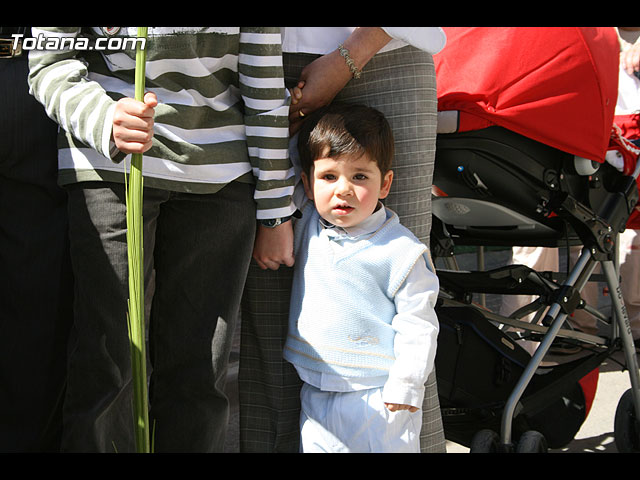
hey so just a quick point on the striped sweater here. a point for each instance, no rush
(222, 112)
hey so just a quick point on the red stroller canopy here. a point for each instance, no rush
(555, 85)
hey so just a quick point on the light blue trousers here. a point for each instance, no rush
(355, 422)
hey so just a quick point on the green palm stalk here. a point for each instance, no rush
(136, 320)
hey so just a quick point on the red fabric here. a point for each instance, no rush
(634, 219)
(556, 85)
(589, 384)
(619, 142)
(628, 150)
(629, 125)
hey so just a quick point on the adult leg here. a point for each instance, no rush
(580, 319)
(98, 405)
(540, 259)
(629, 268)
(37, 285)
(268, 386)
(202, 252)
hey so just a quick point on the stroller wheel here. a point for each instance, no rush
(626, 428)
(485, 441)
(532, 442)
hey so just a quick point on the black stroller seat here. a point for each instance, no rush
(503, 189)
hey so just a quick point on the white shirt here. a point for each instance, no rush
(322, 40)
(415, 324)
(628, 85)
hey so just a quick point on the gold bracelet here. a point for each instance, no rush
(350, 63)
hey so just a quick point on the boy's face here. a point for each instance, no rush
(346, 190)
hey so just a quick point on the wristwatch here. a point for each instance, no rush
(274, 222)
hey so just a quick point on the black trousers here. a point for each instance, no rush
(36, 282)
(198, 246)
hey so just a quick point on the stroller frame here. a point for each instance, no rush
(556, 317)
(595, 230)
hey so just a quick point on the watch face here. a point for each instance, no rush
(274, 222)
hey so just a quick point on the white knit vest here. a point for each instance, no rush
(342, 303)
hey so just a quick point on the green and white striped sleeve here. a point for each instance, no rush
(60, 81)
(266, 104)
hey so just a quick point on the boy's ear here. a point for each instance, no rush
(386, 184)
(307, 186)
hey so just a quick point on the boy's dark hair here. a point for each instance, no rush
(342, 129)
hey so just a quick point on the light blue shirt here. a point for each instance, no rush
(414, 323)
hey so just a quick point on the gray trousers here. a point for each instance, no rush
(199, 247)
(401, 84)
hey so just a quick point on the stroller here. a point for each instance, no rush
(520, 161)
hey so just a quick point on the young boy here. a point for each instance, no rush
(362, 329)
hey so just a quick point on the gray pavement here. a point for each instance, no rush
(596, 434)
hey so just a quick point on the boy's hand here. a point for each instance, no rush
(133, 124)
(296, 93)
(296, 115)
(394, 407)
